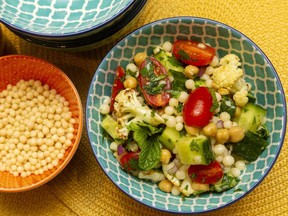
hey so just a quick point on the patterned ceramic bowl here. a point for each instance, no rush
(60, 18)
(14, 68)
(259, 72)
(120, 26)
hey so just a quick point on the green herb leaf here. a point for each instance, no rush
(146, 137)
(238, 190)
(173, 61)
(183, 55)
(150, 153)
(194, 146)
(228, 105)
(215, 104)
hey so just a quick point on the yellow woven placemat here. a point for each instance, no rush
(83, 188)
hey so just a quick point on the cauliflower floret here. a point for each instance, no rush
(227, 74)
(128, 109)
(241, 98)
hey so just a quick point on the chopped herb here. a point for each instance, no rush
(155, 84)
(183, 55)
(194, 146)
(215, 104)
(193, 175)
(238, 190)
(179, 108)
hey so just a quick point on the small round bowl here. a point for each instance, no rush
(13, 68)
(61, 18)
(259, 72)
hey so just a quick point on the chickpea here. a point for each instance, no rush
(165, 156)
(130, 82)
(238, 111)
(191, 71)
(165, 185)
(236, 133)
(139, 58)
(222, 135)
(191, 130)
(210, 129)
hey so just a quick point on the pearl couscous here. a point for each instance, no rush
(36, 128)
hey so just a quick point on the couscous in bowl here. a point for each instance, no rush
(41, 122)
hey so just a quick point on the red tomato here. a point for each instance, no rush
(129, 161)
(206, 174)
(155, 100)
(197, 109)
(190, 52)
(117, 85)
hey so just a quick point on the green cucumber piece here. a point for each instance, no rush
(250, 147)
(169, 137)
(194, 150)
(251, 117)
(110, 125)
(169, 62)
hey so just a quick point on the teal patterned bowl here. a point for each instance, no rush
(259, 72)
(58, 18)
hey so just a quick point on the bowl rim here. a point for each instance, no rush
(280, 86)
(69, 34)
(79, 133)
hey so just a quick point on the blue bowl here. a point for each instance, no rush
(259, 72)
(61, 18)
(118, 29)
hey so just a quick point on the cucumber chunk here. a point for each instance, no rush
(194, 150)
(169, 137)
(226, 183)
(169, 62)
(251, 117)
(250, 147)
(110, 125)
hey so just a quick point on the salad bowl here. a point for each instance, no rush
(258, 72)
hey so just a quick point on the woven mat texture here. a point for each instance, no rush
(82, 188)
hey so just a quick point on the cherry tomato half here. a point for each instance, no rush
(206, 174)
(117, 85)
(197, 109)
(129, 161)
(194, 53)
(150, 69)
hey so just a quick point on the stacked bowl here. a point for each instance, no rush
(70, 24)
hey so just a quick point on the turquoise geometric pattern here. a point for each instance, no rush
(60, 17)
(259, 72)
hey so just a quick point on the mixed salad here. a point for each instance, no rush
(184, 118)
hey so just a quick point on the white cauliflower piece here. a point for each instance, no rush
(128, 109)
(227, 74)
(241, 98)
